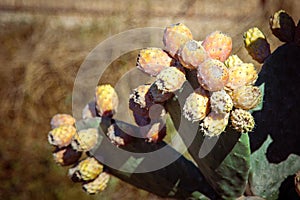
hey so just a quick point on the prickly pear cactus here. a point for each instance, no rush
(200, 91)
(277, 122)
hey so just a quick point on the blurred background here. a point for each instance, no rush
(42, 45)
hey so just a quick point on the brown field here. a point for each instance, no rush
(42, 47)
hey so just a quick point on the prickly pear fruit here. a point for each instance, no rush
(118, 134)
(156, 95)
(240, 75)
(212, 75)
(62, 135)
(170, 79)
(214, 124)
(257, 44)
(192, 54)
(106, 100)
(196, 106)
(218, 45)
(62, 119)
(138, 102)
(86, 170)
(220, 102)
(154, 132)
(232, 61)
(85, 139)
(242, 120)
(66, 156)
(282, 26)
(153, 60)
(97, 185)
(246, 97)
(176, 36)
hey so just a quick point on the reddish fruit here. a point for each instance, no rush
(153, 60)
(218, 45)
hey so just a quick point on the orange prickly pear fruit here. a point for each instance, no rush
(218, 45)
(153, 60)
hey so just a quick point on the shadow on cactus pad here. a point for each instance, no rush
(281, 111)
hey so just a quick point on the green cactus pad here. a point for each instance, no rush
(226, 167)
(265, 178)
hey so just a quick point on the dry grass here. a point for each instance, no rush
(40, 54)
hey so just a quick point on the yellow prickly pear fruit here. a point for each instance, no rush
(242, 120)
(282, 26)
(85, 139)
(97, 185)
(192, 54)
(232, 61)
(62, 119)
(220, 102)
(212, 75)
(196, 105)
(176, 36)
(246, 97)
(218, 45)
(153, 60)
(257, 44)
(214, 124)
(62, 135)
(170, 79)
(87, 169)
(240, 75)
(106, 100)
(66, 156)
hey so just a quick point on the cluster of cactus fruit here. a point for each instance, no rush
(224, 95)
